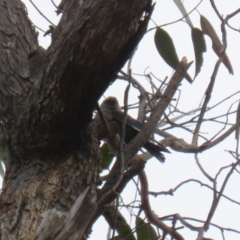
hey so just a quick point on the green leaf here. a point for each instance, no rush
(125, 231)
(199, 48)
(107, 156)
(166, 48)
(144, 230)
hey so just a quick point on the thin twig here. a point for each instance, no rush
(172, 190)
(150, 29)
(229, 16)
(207, 99)
(39, 28)
(216, 201)
(122, 134)
(215, 9)
(152, 218)
(149, 127)
(54, 4)
(142, 98)
(202, 169)
(208, 145)
(169, 218)
(42, 13)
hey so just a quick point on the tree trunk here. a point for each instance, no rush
(41, 184)
(46, 103)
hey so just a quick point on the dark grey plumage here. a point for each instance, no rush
(112, 112)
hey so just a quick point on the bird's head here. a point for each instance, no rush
(110, 103)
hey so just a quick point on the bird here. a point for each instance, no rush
(112, 112)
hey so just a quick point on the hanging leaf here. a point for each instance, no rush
(145, 230)
(217, 46)
(183, 11)
(166, 48)
(107, 156)
(199, 48)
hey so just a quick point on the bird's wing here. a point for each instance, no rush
(119, 116)
(133, 123)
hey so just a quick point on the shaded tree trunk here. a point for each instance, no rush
(46, 103)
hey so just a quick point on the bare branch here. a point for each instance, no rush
(216, 201)
(207, 99)
(139, 140)
(152, 218)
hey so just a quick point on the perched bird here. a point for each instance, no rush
(112, 112)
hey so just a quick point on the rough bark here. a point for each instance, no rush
(46, 103)
(41, 184)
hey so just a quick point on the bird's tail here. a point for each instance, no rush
(155, 150)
